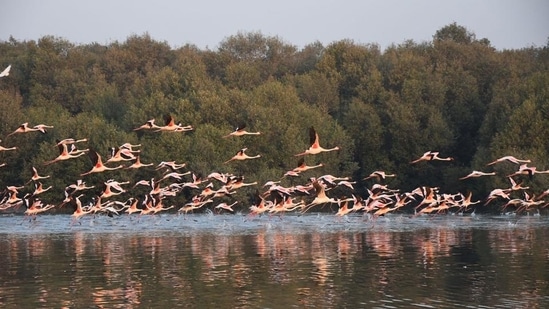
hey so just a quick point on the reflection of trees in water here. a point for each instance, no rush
(270, 267)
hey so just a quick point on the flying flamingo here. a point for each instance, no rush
(379, 175)
(223, 178)
(195, 203)
(466, 202)
(148, 203)
(239, 183)
(286, 204)
(137, 164)
(79, 210)
(431, 156)
(70, 141)
(476, 174)
(226, 206)
(76, 151)
(42, 127)
(348, 184)
(23, 128)
(402, 200)
(174, 175)
(222, 192)
(331, 179)
(302, 166)
(240, 131)
(130, 147)
(35, 176)
(116, 184)
(344, 210)
(169, 124)
(528, 170)
(118, 155)
(241, 155)
(12, 200)
(79, 186)
(170, 164)
(64, 154)
(315, 147)
(495, 194)
(197, 180)
(98, 165)
(133, 206)
(172, 126)
(159, 206)
(14, 189)
(516, 186)
(321, 197)
(509, 159)
(39, 189)
(181, 128)
(291, 174)
(35, 206)
(107, 192)
(260, 206)
(106, 207)
(207, 191)
(384, 209)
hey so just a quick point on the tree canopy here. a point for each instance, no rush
(456, 95)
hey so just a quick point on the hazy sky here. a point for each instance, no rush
(205, 23)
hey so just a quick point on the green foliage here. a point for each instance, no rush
(456, 95)
(455, 33)
(363, 123)
(318, 90)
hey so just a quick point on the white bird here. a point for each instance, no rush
(6, 71)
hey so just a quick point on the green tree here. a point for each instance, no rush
(456, 33)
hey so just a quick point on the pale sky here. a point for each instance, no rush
(205, 23)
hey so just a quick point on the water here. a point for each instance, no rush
(311, 261)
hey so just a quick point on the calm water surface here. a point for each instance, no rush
(312, 261)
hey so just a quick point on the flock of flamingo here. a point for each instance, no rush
(216, 191)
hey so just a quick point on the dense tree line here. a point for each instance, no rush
(456, 94)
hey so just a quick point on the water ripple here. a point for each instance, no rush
(311, 261)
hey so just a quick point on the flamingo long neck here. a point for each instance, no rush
(328, 149)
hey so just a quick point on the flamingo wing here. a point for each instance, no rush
(313, 136)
